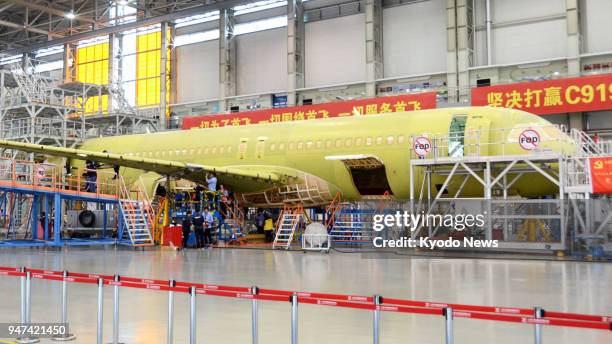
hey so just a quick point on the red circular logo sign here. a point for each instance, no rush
(422, 145)
(529, 139)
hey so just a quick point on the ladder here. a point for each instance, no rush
(136, 225)
(331, 210)
(233, 216)
(287, 224)
(136, 216)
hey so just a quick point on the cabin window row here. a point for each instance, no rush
(274, 146)
(184, 152)
(337, 143)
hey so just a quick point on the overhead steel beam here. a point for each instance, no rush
(52, 10)
(5, 7)
(130, 26)
(27, 28)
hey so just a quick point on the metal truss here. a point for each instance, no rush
(38, 109)
(496, 175)
(32, 25)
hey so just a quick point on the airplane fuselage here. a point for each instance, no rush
(321, 148)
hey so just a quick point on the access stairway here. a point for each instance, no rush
(137, 215)
(234, 219)
(352, 225)
(288, 223)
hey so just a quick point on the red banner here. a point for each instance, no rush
(408, 102)
(589, 93)
(601, 174)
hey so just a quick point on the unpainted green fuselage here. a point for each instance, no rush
(314, 146)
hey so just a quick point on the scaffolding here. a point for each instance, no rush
(37, 108)
(558, 222)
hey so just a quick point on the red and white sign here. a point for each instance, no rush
(422, 145)
(529, 139)
(587, 93)
(371, 106)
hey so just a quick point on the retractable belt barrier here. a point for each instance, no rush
(376, 304)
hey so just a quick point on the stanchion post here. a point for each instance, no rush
(170, 338)
(117, 279)
(376, 324)
(28, 313)
(254, 316)
(26, 299)
(538, 313)
(448, 314)
(100, 310)
(192, 315)
(23, 296)
(294, 319)
(66, 336)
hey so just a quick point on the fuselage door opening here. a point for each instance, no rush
(456, 136)
(368, 173)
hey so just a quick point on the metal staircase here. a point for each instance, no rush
(137, 216)
(331, 209)
(588, 147)
(352, 225)
(32, 85)
(288, 222)
(234, 218)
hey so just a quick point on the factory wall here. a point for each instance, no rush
(414, 39)
(197, 72)
(335, 51)
(414, 44)
(597, 25)
(262, 61)
(521, 35)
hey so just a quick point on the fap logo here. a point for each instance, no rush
(529, 139)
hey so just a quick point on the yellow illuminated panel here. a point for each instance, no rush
(148, 70)
(92, 67)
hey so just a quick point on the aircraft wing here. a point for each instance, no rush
(194, 172)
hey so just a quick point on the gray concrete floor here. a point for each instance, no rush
(562, 286)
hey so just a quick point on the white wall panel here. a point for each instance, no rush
(262, 61)
(597, 16)
(519, 43)
(414, 38)
(197, 71)
(504, 10)
(523, 30)
(335, 51)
